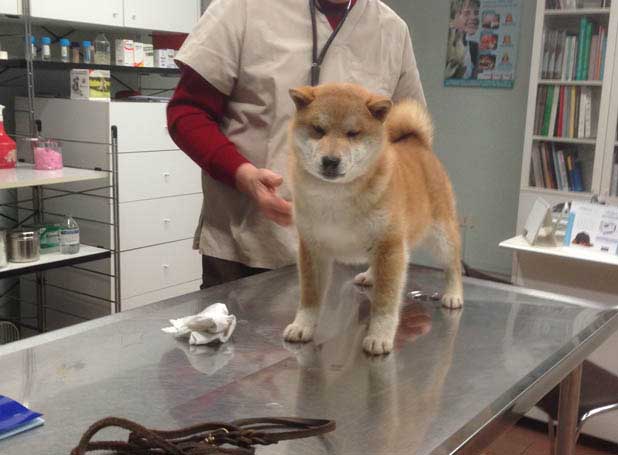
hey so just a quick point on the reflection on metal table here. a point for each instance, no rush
(454, 382)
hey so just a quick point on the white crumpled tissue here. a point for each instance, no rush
(213, 324)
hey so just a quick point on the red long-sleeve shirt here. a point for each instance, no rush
(197, 108)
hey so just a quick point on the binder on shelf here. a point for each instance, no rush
(580, 50)
(614, 182)
(547, 115)
(563, 173)
(557, 173)
(537, 166)
(553, 113)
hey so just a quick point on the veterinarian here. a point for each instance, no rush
(231, 109)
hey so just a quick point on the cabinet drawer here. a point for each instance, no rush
(157, 174)
(156, 221)
(142, 127)
(157, 267)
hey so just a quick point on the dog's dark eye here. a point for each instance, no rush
(319, 130)
(352, 134)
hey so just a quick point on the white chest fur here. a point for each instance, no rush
(335, 224)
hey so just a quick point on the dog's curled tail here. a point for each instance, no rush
(409, 118)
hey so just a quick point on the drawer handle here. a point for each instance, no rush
(133, 16)
(166, 175)
(167, 220)
(166, 266)
(114, 15)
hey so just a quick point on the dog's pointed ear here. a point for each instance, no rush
(302, 96)
(379, 106)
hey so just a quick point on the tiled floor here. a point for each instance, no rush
(523, 441)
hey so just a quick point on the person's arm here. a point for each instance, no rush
(409, 85)
(193, 117)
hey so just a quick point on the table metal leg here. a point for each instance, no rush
(568, 407)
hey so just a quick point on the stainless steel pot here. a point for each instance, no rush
(24, 245)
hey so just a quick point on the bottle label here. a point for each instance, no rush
(69, 236)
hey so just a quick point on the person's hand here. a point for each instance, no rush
(261, 185)
(458, 23)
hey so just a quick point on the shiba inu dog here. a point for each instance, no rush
(367, 188)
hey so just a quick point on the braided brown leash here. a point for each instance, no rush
(237, 438)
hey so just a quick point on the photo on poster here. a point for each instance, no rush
(482, 43)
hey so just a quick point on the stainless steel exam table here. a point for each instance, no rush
(455, 382)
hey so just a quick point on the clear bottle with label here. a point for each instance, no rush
(87, 51)
(46, 48)
(102, 50)
(69, 236)
(64, 50)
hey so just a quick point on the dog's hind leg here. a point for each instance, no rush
(447, 248)
(314, 270)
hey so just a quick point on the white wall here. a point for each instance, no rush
(479, 132)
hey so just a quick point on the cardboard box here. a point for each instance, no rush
(148, 55)
(160, 58)
(138, 54)
(93, 85)
(125, 52)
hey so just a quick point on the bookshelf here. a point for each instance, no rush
(569, 149)
(609, 177)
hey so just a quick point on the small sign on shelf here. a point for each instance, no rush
(593, 226)
(539, 225)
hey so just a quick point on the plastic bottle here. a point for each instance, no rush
(69, 236)
(8, 150)
(64, 50)
(87, 51)
(75, 58)
(33, 47)
(46, 48)
(102, 50)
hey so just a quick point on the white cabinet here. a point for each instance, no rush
(157, 221)
(164, 15)
(151, 175)
(160, 196)
(103, 13)
(176, 16)
(10, 7)
(132, 119)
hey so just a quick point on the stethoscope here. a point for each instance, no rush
(317, 59)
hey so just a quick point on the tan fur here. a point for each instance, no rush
(409, 118)
(388, 194)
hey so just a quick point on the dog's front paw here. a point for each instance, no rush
(298, 333)
(377, 345)
(364, 279)
(452, 301)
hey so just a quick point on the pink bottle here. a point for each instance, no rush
(8, 150)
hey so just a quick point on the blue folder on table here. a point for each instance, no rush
(16, 418)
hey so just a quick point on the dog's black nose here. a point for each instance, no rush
(330, 163)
